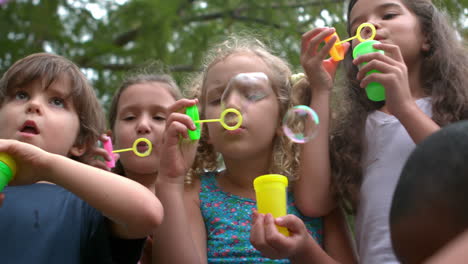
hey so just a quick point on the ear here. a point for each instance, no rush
(77, 150)
(426, 45)
(279, 129)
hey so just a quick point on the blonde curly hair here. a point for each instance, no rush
(285, 157)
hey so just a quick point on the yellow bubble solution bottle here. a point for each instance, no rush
(7, 170)
(270, 191)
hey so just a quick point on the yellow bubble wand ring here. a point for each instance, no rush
(337, 51)
(135, 150)
(192, 112)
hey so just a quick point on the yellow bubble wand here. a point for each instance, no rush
(193, 113)
(108, 147)
(337, 51)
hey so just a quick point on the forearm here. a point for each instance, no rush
(338, 241)
(313, 195)
(173, 241)
(417, 123)
(312, 253)
(122, 200)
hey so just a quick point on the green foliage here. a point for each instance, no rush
(176, 33)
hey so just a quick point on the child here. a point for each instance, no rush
(431, 196)
(424, 72)
(139, 109)
(210, 220)
(50, 116)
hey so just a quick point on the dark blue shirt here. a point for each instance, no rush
(45, 223)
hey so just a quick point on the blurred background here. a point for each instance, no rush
(108, 38)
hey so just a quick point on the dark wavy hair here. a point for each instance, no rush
(445, 72)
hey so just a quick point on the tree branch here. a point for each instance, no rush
(126, 67)
(130, 35)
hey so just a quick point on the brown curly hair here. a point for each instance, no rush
(285, 158)
(445, 71)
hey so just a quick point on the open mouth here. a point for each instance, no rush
(29, 127)
(142, 147)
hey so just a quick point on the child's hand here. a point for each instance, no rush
(31, 161)
(393, 76)
(2, 197)
(320, 71)
(91, 156)
(266, 238)
(177, 150)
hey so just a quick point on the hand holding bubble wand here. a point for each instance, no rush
(374, 90)
(193, 113)
(108, 147)
(337, 51)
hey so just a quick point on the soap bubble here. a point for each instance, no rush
(300, 124)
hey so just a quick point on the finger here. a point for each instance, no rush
(116, 156)
(366, 58)
(273, 236)
(383, 78)
(99, 164)
(325, 50)
(306, 37)
(373, 65)
(293, 223)
(2, 197)
(102, 153)
(181, 105)
(181, 118)
(257, 235)
(312, 42)
(390, 50)
(103, 138)
(315, 42)
(174, 131)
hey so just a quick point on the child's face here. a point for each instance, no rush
(394, 22)
(141, 112)
(42, 117)
(260, 122)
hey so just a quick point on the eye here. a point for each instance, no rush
(256, 96)
(129, 118)
(389, 16)
(21, 95)
(215, 101)
(159, 118)
(59, 102)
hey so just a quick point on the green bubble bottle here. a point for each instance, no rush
(375, 91)
(7, 169)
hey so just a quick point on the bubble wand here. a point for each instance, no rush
(108, 147)
(337, 51)
(192, 112)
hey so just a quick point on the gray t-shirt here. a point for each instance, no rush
(388, 146)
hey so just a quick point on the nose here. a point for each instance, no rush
(34, 107)
(234, 100)
(143, 126)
